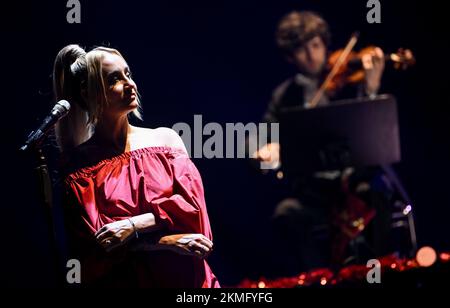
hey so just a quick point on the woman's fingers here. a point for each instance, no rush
(192, 244)
(206, 242)
(199, 249)
(105, 234)
(101, 230)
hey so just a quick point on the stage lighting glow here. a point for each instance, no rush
(426, 256)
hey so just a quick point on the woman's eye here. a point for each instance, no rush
(113, 80)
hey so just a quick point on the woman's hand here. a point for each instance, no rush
(115, 234)
(119, 232)
(192, 244)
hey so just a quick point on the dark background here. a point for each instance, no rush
(218, 59)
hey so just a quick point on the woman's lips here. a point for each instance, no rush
(131, 96)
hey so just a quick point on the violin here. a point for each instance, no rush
(345, 67)
(351, 71)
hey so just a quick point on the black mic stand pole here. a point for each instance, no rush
(45, 197)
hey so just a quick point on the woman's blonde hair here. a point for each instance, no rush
(78, 78)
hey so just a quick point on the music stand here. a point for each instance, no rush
(356, 132)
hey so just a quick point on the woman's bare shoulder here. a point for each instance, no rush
(161, 136)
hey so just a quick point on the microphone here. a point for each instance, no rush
(60, 110)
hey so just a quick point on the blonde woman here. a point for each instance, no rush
(135, 208)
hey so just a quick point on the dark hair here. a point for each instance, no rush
(297, 28)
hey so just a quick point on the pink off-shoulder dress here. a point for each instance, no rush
(159, 180)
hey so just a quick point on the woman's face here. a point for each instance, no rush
(121, 91)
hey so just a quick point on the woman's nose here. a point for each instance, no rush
(129, 83)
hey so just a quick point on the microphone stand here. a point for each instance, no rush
(45, 197)
(33, 144)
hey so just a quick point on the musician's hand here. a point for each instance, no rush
(373, 64)
(269, 154)
(192, 244)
